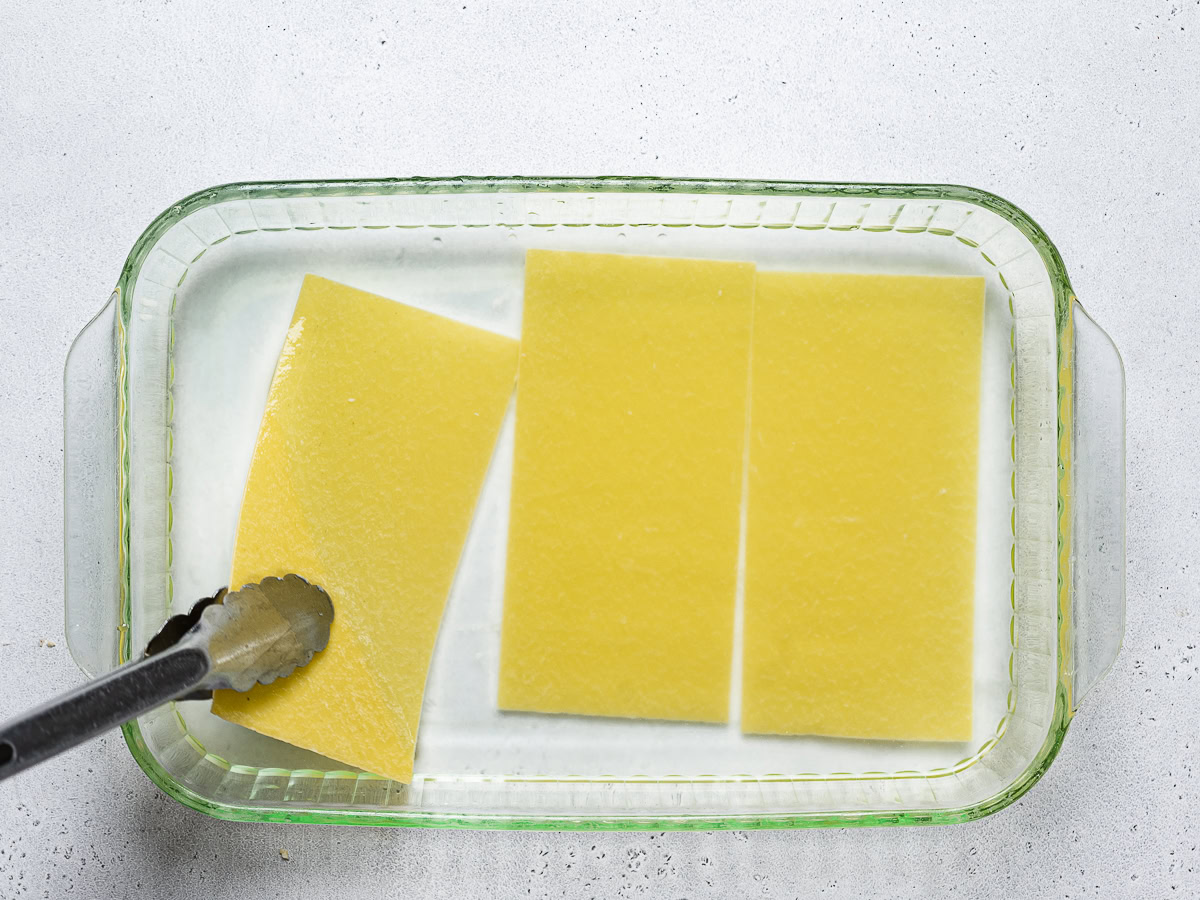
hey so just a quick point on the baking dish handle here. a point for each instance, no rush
(91, 501)
(1097, 507)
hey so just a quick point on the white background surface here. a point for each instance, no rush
(1087, 117)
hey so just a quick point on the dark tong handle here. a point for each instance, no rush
(98, 706)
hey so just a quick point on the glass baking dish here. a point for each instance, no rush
(165, 389)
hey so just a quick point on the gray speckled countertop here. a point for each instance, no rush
(1084, 115)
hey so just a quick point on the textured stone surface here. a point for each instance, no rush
(1083, 114)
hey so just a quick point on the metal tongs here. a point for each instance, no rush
(233, 640)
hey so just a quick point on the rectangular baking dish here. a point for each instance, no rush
(165, 389)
